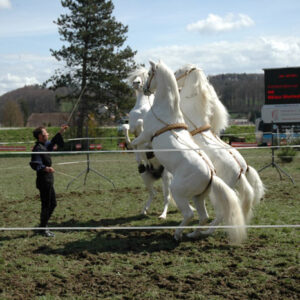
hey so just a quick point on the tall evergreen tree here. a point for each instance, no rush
(96, 62)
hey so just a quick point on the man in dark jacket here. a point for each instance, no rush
(42, 164)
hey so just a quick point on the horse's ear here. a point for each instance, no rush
(152, 64)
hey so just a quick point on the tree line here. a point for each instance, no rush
(240, 93)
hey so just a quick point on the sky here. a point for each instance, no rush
(219, 36)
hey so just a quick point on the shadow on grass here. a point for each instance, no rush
(13, 237)
(115, 241)
(98, 223)
(118, 241)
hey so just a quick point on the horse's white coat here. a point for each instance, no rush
(191, 170)
(143, 104)
(200, 105)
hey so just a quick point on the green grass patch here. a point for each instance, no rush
(139, 264)
(245, 131)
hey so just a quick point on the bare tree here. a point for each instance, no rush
(12, 115)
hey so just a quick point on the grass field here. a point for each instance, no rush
(139, 264)
(108, 137)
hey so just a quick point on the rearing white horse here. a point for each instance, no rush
(206, 116)
(148, 166)
(192, 170)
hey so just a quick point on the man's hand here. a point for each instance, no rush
(63, 128)
(49, 170)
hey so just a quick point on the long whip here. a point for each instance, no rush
(76, 104)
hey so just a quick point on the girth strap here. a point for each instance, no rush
(237, 161)
(200, 129)
(169, 127)
(210, 181)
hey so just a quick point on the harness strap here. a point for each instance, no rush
(210, 181)
(200, 129)
(237, 161)
(185, 74)
(212, 170)
(169, 127)
(241, 168)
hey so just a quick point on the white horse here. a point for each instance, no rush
(201, 107)
(148, 166)
(192, 170)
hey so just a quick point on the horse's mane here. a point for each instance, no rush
(213, 108)
(139, 71)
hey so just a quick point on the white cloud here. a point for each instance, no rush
(5, 4)
(248, 56)
(17, 71)
(214, 23)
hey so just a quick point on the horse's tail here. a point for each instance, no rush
(125, 128)
(256, 183)
(227, 207)
(246, 194)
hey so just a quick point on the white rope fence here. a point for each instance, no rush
(140, 150)
(123, 137)
(148, 227)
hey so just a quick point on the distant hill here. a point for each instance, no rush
(33, 99)
(240, 93)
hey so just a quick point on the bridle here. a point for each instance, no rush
(147, 89)
(186, 73)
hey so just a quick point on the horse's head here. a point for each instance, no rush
(182, 73)
(150, 85)
(137, 78)
(137, 83)
(196, 90)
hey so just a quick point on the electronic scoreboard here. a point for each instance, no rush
(282, 86)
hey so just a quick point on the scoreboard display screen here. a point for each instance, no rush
(282, 86)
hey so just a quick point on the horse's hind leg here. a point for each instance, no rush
(182, 203)
(187, 213)
(211, 230)
(199, 202)
(166, 180)
(148, 181)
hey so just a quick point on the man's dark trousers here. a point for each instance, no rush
(48, 200)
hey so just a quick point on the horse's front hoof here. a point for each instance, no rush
(205, 233)
(193, 235)
(197, 233)
(178, 237)
(162, 216)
